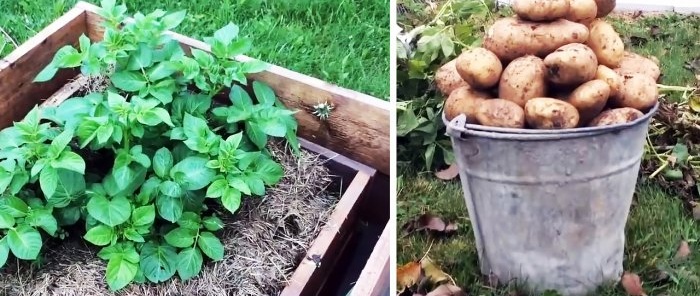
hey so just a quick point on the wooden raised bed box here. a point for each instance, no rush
(355, 140)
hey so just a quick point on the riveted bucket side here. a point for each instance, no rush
(550, 209)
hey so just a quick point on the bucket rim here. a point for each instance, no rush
(458, 128)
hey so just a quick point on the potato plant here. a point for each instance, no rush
(141, 161)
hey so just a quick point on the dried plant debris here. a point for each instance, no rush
(264, 242)
(428, 222)
(683, 251)
(632, 284)
(424, 278)
(449, 173)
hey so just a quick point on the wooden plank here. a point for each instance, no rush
(308, 276)
(18, 69)
(358, 126)
(374, 279)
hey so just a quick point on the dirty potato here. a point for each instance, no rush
(500, 113)
(605, 7)
(523, 79)
(589, 99)
(582, 11)
(541, 10)
(511, 38)
(637, 91)
(447, 78)
(550, 113)
(479, 67)
(616, 116)
(611, 77)
(606, 43)
(464, 100)
(571, 64)
(633, 63)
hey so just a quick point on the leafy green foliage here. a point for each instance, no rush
(171, 152)
(421, 49)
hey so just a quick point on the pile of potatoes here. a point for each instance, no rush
(555, 65)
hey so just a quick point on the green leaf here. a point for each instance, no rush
(231, 199)
(100, 235)
(128, 81)
(6, 220)
(14, 206)
(189, 263)
(211, 246)
(257, 186)
(239, 184)
(120, 272)
(189, 220)
(213, 223)
(174, 19)
(254, 66)
(141, 58)
(269, 171)
(60, 142)
(226, 34)
(158, 262)
(181, 237)
(239, 47)
(143, 215)
(196, 170)
(194, 126)
(264, 93)
(273, 127)
(217, 188)
(162, 162)
(132, 235)
(4, 251)
(48, 181)
(71, 161)
(44, 219)
(255, 134)
(161, 70)
(111, 212)
(46, 74)
(24, 242)
(67, 216)
(87, 130)
(170, 208)
(171, 189)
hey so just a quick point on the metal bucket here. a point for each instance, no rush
(549, 207)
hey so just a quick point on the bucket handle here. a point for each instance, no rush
(455, 129)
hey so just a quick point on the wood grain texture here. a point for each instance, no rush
(374, 279)
(308, 277)
(18, 69)
(358, 126)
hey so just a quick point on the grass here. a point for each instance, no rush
(657, 222)
(342, 42)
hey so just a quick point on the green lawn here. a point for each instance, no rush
(658, 221)
(343, 42)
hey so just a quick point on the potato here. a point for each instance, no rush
(550, 113)
(633, 63)
(611, 77)
(637, 91)
(500, 113)
(616, 116)
(541, 10)
(589, 99)
(606, 43)
(447, 78)
(511, 38)
(523, 79)
(605, 7)
(464, 100)
(582, 11)
(571, 64)
(479, 67)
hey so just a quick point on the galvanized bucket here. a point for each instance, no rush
(549, 207)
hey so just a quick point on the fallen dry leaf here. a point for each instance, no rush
(448, 173)
(632, 284)
(683, 250)
(447, 290)
(431, 271)
(696, 210)
(430, 223)
(408, 275)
